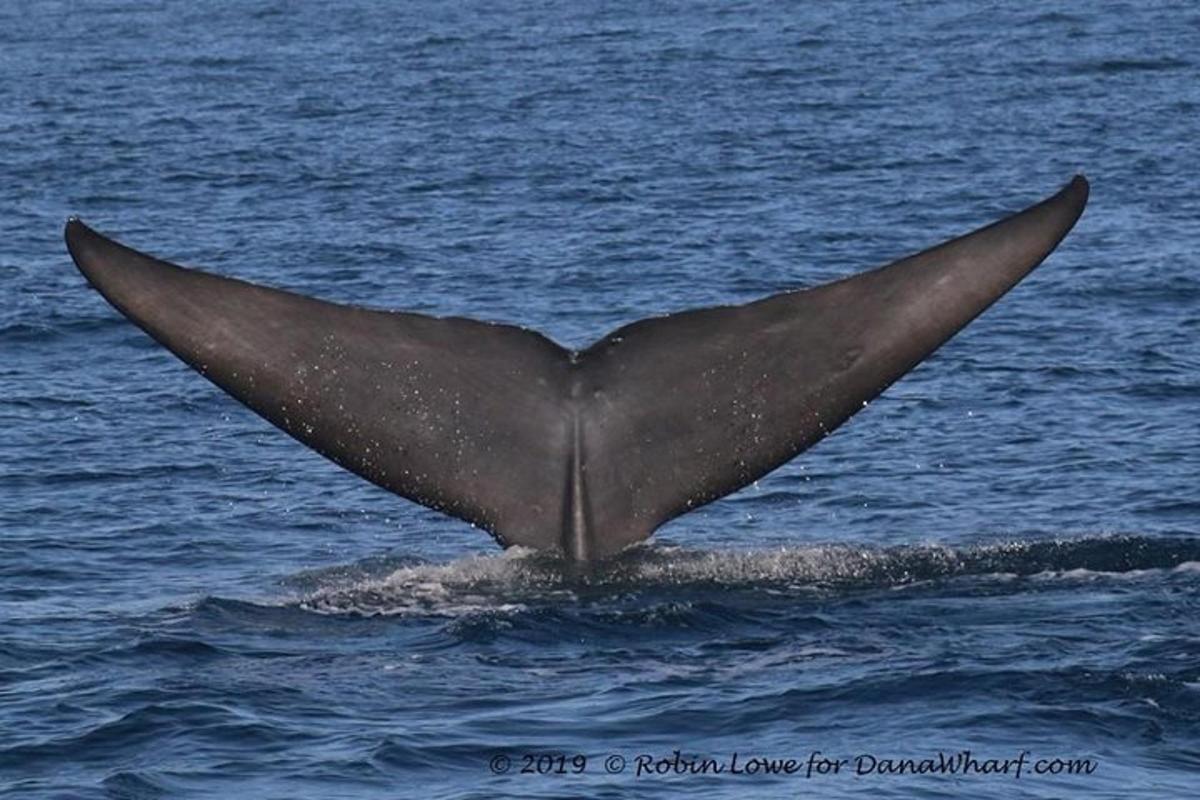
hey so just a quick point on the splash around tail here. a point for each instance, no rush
(520, 579)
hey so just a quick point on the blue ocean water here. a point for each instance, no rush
(1001, 555)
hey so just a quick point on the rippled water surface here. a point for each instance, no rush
(1000, 555)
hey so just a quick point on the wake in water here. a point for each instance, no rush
(518, 578)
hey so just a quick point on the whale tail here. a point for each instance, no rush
(585, 452)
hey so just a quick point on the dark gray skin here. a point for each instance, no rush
(584, 452)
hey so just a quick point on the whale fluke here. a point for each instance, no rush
(587, 451)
